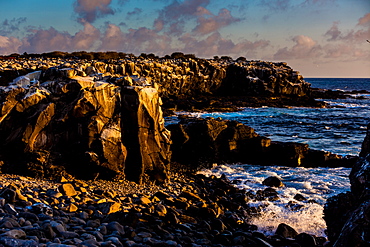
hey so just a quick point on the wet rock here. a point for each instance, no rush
(286, 231)
(306, 240)
(299, 197)
(273, 182)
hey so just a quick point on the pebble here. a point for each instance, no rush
(184, 212)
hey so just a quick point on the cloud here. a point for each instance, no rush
(365, 20)
(7, 27)
(136, 11)
(304, 47)
(213, 22)
(135, 40)
(334, 33)
(357, 35)
(40, 40)
(174, 16)
(215, 44)
(346, 52)
(179, 18)
(9, 45)
(276, 5)
(90, 10)
(85, 39)
(46, 40)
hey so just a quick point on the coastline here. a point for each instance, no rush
(180, 208)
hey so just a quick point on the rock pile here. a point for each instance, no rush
(201, 142)
(347, 215)
(193, 211)
(82, 125)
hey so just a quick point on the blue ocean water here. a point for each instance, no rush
(340, 129)
(345, 84)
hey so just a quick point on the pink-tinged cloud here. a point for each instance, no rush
(177, 17)
(46, 40)
(346, 52)
(113, 39)
(9, 45)
(135, 40)
(355, 36)
(304, 47)
(215, 44)
(90, 10)
(174, 16)
(40, 40)
(211, 23)
(365, 20)
(333, 33)
(86, 38)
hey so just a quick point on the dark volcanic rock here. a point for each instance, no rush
(273, 182)
(83, 127)
(286, 231)
(186, 83)
(348, 214)
(199, 143)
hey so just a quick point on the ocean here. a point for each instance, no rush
(339, 129)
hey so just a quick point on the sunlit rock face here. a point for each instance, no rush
(82, 126)
(180, 78)
(348, 215)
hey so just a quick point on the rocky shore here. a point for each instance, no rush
(97, 167)
(186, 211)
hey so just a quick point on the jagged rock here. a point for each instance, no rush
(209, 141)
(286, 231)
(67, 189)
(347, 214)
(83, 127)
(183, 80)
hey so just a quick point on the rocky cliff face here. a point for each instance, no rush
(82, 126)
(347, 215)
(182, 78)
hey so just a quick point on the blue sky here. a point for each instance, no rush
(319, 38)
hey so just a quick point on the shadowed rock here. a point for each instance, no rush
(83, 126)
(347, 214)
(199, 143)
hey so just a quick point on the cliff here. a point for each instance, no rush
(82, 126)
(188, 83)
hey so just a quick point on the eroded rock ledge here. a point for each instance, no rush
(198, 143)
(188, 84)
(83, 126)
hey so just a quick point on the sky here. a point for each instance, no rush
(319, 38)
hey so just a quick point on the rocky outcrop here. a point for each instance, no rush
(199, 143)
(191, 81)
(82, 126)
(348, 214)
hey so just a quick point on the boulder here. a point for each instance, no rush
(208, 141)
(83, 127)
(273, 182)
